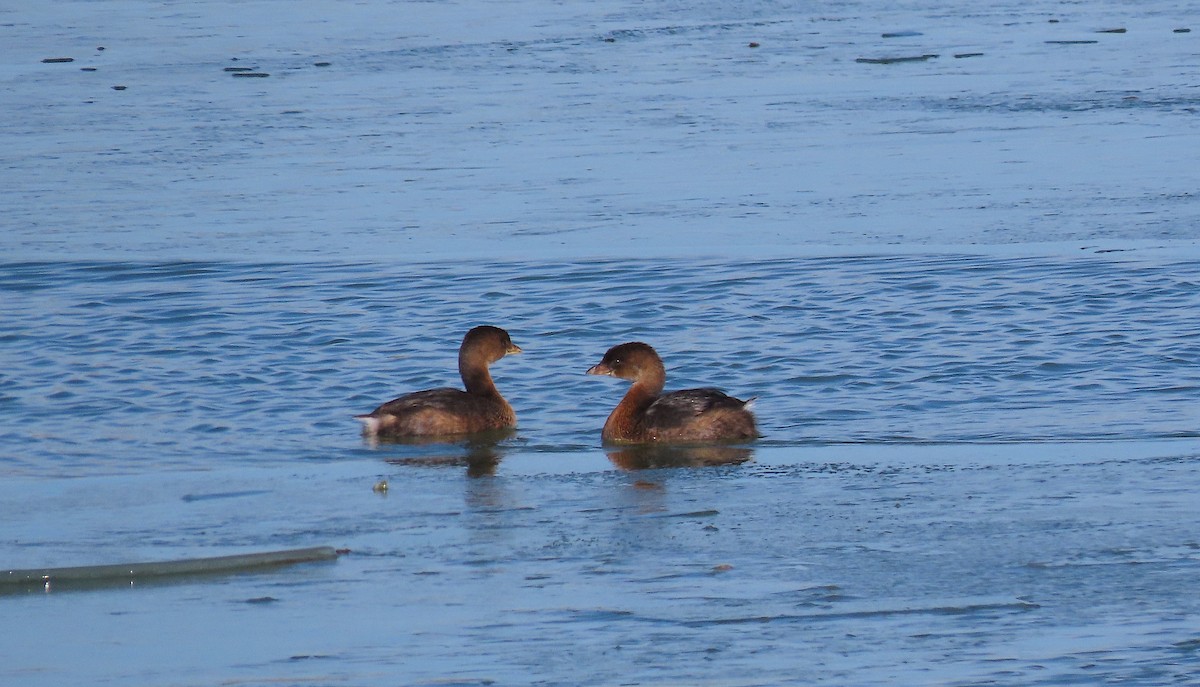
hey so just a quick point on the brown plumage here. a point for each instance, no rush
(647, 415)
(446, 411)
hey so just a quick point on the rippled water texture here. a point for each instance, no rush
(204, 408)
(962, 287)
(119, 367)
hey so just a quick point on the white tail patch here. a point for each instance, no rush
(370, 423)
(749, 404)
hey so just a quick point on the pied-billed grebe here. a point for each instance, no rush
(444, 412)
(647, 415)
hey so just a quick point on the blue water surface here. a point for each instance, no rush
(960, 285)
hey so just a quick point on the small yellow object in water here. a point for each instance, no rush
(380, 487)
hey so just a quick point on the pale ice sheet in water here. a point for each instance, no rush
(444, 130)
(962, 288)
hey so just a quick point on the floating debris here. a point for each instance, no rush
(239, 69)
(126, 573)
(1182, 31)
(380, 487)
(1111, 31)
(692, 514)
(119, 88)
(321, 64)
(961, 55)
(57, 60)
(895, 60)
(253, 75)
(902, 34)
(87, 69)
(753, 44)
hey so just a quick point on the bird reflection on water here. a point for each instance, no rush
(655, 456)
(480, 453)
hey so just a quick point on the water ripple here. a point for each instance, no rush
(252, 361)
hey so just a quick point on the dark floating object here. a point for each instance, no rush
(124, 574)
(902, 34)
(321, 64)
(894, 60)
(1119, 30)
(1182, 31)
(610, 39)
(239, 69)
(87, 69)
(57, 60)
(753, 44)
(253, 75)
(119, 88)
(100, 48)
(960, 55)
(1071, 42)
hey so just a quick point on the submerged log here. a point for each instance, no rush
(122, 573)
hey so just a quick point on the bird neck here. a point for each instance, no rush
(476, 377)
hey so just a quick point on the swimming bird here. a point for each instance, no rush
(647, 415)
(445, 411)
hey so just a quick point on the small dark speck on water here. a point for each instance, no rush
(253, 75)
(1117, 30)
(321, 64)
(1183, 31)
(57, 60)
(262, 600)
(961, 55)
(119, 88)
(239, 69)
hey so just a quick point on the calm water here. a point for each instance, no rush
(962, 289)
